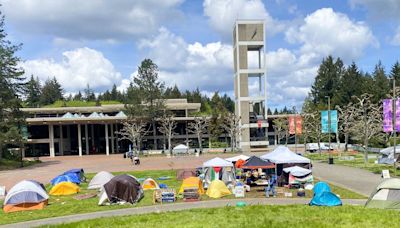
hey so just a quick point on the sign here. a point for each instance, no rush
(385, 174)
(387, 115)
(295, 125)
(239, 191)
(325, 121)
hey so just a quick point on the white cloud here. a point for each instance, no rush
(289, 77)
(78, 68)
(208, 66)
(396, 38)
(382, 9)
(93, 20)
(326, 32)
(222, 15)
(167, 50)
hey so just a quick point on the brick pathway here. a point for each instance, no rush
(50, 167)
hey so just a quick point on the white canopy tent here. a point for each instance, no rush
(237, 158)
(217, 162)
(180, 149)
(297, 171)
(283, 155)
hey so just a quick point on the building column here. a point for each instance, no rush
(68, 137)
(87, 139)
(116, 139)
(92, 134)
(61, 142)
(107, 143)
(51, 141)
(79, 140)
(112, 139)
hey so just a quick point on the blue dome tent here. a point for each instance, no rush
(70, 177)
(324, 197)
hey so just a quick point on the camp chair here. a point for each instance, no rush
(164, 195)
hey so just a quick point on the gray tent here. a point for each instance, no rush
(386, 195)
(26, 195)
(386, 155)
(100, 179)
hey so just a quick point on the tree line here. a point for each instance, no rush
(356, 95)
(38, 95)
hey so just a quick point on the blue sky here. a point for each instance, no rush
(100, 42)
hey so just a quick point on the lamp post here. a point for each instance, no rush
(394, 123)
(329, 130)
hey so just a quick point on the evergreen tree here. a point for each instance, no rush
(89, 94)
(78, 96)
(33, 91)
(350, 85)
(269, 112)
(148, 92)
(381, 83)
(395, 72)
(51, 92)
(114, 95)
(11, 84)
(175, 93)
(327, 80)
(218, 111)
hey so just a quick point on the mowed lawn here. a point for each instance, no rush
(67, 205)
(357, 161)
(255, 216)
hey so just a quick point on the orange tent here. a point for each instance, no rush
(240, 163)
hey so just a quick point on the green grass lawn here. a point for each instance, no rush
(12, 164)
(255, 216)
(66, 205)
(357, 162)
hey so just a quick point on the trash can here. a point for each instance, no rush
(330, 161)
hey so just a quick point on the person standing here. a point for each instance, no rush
(271, 187)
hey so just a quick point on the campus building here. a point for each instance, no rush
(250, 83)
(91, 130)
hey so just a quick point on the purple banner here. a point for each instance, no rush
(398, 115)
(388, 115)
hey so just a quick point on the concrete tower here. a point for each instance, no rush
(250, 83)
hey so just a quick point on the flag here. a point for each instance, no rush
(388, 115)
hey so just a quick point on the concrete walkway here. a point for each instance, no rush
(354, 179)
(168, 207)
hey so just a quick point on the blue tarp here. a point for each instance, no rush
(78, 172)
(323, 196)
(70, 177)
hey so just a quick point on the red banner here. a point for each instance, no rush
(295, 127)
(291, 125)
(299, 125)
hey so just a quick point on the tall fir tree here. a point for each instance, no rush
(33, 92)
(327, 80)
(381, 83)
(395, 72)
(51, 92)
(11, 85)
(350, 85)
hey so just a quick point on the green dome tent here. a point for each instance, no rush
(386, 195)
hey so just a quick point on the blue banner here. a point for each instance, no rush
(325, 121)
